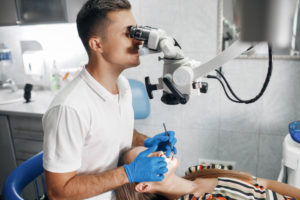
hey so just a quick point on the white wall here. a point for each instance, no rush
(209, 126)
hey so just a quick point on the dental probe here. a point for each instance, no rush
(167, 134)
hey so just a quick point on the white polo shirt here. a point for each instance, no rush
(86, 128)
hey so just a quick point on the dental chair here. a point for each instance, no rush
(31, 171)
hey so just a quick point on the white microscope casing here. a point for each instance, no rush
(291, 160)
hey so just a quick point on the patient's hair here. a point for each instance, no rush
(127, 191)
(92, 18)
(215, 173)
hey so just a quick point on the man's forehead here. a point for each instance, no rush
(121, 19)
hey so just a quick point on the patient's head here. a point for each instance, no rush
(145, 190)
(172, 163)
(151, 190)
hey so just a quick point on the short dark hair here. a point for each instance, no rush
(92, 18)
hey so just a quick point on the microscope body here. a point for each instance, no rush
(177, 81)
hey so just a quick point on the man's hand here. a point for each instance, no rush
(163, 141)
(146, 169)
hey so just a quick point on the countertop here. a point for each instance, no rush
(41, 99)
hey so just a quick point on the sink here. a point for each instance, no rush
(7, 96)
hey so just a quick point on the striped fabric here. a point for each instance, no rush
(230, 188)
(207, 166)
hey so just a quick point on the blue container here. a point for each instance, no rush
(5, 56)
(294, 128)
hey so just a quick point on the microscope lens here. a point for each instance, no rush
(139, 33)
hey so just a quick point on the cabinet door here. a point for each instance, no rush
(25, 149)
(37, 11)
(27, 133)
(26, 127)
(7, 157)
(8, 13)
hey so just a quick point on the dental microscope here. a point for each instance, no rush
(183, 77)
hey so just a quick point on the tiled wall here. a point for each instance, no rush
(209, 126)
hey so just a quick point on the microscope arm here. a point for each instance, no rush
(185, 74)
(236, 49)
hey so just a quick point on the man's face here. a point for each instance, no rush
(118, 48)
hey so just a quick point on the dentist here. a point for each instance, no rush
(91, 121)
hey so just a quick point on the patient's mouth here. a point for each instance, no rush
(168, 159)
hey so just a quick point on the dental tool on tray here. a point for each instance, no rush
(167, 134)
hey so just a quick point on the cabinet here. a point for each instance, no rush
(8, 13)
(21, 137)
(38, 12)
(27, 134)
(7, 156)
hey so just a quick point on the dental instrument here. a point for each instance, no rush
(167, 134)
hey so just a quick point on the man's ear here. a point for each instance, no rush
(143, 187)
(95, 44)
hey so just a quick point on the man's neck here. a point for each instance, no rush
(105, 74)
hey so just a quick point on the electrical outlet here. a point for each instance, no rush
(222, 162)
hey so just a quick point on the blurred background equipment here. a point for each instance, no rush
(6, 60)
(27, 92)
(33, 59)
(290, 164)
(21, 12)
(265, 21)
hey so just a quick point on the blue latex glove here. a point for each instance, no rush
(163, 142)
(146, 169)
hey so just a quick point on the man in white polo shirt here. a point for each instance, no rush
(91, 121)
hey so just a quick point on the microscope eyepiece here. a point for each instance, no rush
(139, 32)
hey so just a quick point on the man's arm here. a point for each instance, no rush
(72, 186)
(281, 188)
(138, 138)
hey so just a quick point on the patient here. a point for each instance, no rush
(202, 184)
